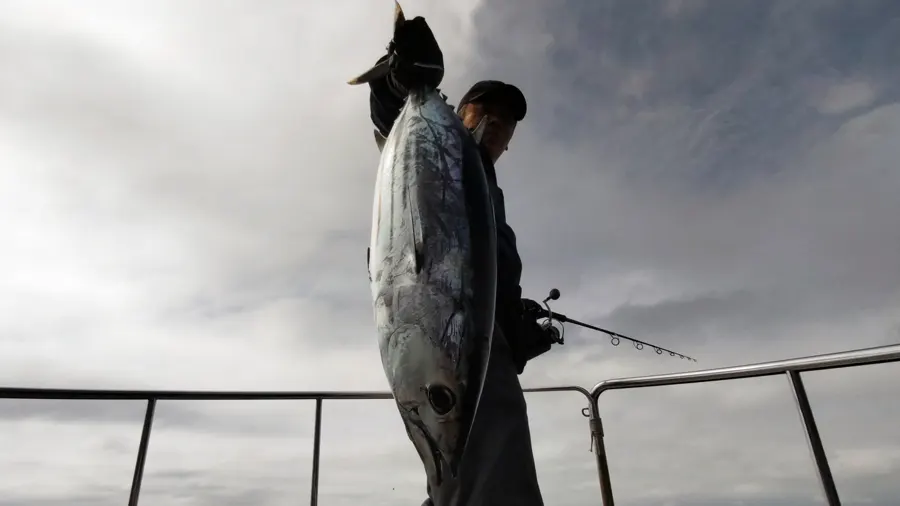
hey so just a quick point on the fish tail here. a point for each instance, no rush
(382, 68)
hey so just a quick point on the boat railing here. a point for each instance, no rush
(790, 368)
(154, 396)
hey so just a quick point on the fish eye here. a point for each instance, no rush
(441, 399)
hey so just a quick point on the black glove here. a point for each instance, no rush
(416, 57)
(532, 309)
(531, 340)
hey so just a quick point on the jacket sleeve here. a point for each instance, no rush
(525, 337)
(509, 269)
(521, 335)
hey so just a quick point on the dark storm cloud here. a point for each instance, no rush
(739, 75)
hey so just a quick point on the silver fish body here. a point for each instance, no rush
(433, 272)
(432, 267)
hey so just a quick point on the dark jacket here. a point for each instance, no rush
(385, 102)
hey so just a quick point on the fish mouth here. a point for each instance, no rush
(444, 458)
(442, 462)
(439, 461)
(442, 401)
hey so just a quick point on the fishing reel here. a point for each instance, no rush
(552, 325)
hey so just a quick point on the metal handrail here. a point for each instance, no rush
(152, 396)
(791, 368)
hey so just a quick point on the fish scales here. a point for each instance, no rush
(433, 271)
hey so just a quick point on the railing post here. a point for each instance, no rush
(317, 438)
(596, 425)
(812, 437)
(142, 453)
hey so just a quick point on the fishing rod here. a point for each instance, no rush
(557, 335)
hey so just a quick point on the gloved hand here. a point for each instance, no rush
(530, 340)
(531, 308)
(416, 57)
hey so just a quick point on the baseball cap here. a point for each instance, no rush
(492, 90)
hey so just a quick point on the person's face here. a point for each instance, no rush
(499, 128)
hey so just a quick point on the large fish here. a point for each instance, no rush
(432, 269)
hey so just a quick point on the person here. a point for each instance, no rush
(498, 468)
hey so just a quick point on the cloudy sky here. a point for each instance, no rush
(185, 196)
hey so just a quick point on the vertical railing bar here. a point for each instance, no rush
(142, 453)
(813, 439)
(599, 446)
(317, 439)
